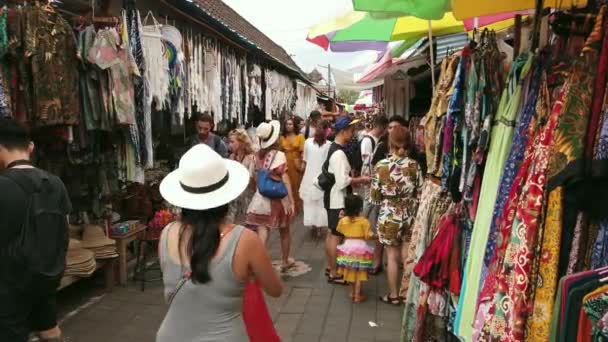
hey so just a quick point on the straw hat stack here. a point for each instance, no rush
(95, 240)
(79, 261)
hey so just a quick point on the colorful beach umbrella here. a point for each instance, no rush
(393, 29)
(368, 33)
(425, 9)
(464, 9)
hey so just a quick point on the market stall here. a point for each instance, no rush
(108, 93)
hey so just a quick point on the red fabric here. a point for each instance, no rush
(584, 327)
(256, 316)
(321, 41)
(435, 267)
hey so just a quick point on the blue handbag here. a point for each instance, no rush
(269, 187)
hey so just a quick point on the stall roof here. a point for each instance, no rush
(233, 21)
(414, 56)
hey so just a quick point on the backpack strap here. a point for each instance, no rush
(333, 148)
(372, 140)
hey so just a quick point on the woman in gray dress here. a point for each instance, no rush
(206, 262)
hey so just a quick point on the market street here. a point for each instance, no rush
(309, 310)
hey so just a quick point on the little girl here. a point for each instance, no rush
(355, 256)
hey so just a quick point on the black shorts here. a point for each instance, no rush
(30, 310)
(333, 217)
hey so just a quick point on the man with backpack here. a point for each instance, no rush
(336, 182)
(203, 123)
(33, 239)
(371, 152)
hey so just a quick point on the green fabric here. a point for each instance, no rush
(368, 29)
(556, 312)
(500, 145)
(425, 9)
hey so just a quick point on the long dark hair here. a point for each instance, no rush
(204, 241)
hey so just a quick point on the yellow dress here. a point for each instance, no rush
(293, 147)
(355, 256)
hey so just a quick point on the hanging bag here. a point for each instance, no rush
(269, 187)
(256, 316)
(326, 180)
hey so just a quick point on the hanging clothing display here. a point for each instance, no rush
(48, 45)
(418, 296)
(107, 53)
(500, 145)
(141, 133)
(521, 173)
(434, 120)
(94, 85)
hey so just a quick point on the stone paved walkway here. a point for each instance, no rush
(309, 310)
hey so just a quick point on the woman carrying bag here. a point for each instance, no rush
(272, 206)
(207, 262)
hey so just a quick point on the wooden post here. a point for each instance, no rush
(517, 36)
(537, 19)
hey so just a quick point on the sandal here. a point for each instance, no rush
(360, 298)
(327, 271)
(285, 268)
(338, 280)
(388, 300)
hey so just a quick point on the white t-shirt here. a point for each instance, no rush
(367, 151)
(340, 168)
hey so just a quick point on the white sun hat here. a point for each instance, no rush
(204, 180)
(268, 133)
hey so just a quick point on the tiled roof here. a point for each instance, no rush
(236, 23)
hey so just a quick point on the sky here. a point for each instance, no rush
(287, 23)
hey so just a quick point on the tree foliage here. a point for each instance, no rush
(348, 96)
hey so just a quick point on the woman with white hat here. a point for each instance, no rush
(272, 213)
(205, 261)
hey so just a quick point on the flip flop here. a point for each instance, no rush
(285, 268)
(391, 301)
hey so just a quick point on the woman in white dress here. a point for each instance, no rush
(315, 154)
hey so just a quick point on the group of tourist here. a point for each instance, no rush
(361, 186)
(233, 192)
(373, 195)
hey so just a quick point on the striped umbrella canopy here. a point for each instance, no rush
(355, 31)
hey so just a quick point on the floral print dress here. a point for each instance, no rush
(395, 188)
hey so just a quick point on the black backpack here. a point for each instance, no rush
(326, 180)
(43, 241)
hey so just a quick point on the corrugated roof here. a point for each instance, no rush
(452, 42)
(233, 21)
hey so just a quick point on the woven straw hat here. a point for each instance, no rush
(76, 258)
(74, 244)
(94, 236)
